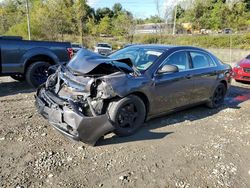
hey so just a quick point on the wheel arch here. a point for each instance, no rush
(38, 54)
(38, 57)
(225, 83)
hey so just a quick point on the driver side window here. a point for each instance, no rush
(179, 59)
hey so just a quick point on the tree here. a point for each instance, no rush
(247, 3)
(239, 16)
(105, 26)
(124, 25)
(117, 8)
(180, 12)
(140, 21)
(92, 27)
(217, 14)
(154, 19)
(82, 10)
(103, 12)
(11, 13)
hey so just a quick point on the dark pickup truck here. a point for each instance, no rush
(30, 60)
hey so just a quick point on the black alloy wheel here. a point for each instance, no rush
(127, 115)
(37, 73)
(218, 96)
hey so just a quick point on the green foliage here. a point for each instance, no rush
(92, 27)
(154, 19)
(180, 12)
(105, 26)
(102, 12)
(124, 25)
(18, 29)
(117, 8)
(74, 19)
(205, 41)
(217, 14)
(11, 13)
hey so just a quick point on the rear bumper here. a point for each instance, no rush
(71, 123)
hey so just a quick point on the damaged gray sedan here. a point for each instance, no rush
(94, 95)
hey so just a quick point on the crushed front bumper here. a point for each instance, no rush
(71, 123)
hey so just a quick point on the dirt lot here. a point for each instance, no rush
(198, 147)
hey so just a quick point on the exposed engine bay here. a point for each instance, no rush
(75, 98)
(85, 84)
(87, 94)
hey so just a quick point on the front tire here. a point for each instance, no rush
(127, 115)
(218, 96)
(37, 73)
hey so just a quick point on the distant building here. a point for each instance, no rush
(152, 28)
(165, 28)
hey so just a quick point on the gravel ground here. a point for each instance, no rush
(198, 147)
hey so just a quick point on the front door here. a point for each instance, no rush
(173, 90)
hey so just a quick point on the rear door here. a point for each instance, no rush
(204, 72)
(173, 90)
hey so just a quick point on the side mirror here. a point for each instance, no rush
(168, 69)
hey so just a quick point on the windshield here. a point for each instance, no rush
(103, 45)
(76, 45)
(142, 58)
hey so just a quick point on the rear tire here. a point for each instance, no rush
(37, 73)
(18, 77)
(218, 96)
(127, 115)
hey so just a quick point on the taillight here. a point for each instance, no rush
(70, 52)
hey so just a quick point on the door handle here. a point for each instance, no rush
(189, 76)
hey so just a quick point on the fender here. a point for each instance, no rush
(34, 52)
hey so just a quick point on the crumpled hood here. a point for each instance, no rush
(88, 62)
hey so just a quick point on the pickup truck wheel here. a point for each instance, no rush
(37, 73)
(127, 115)
(18, 77)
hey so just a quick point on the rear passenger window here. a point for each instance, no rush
(201, 60)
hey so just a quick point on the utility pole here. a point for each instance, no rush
(230, 52)
(28, 18)
(175, 13)
(160, 24)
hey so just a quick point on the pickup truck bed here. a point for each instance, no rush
(24, 60)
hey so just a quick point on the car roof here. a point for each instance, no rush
(165, 47)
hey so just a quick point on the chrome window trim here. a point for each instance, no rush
(187, 50)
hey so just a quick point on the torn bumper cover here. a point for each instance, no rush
(68, 121)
